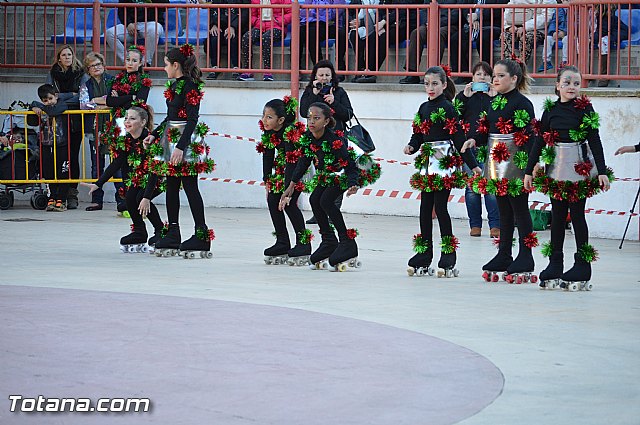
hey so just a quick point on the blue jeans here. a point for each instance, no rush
(474, 206)
(98, 195)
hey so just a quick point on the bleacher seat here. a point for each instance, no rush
(197, 30)
(633, 22)
(172, 27)
(112, 21)
(78, 27)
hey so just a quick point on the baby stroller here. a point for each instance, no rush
(19, 158)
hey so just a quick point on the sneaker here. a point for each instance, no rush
(245, 76)
(50, 205)
(357, 78)
(494, 232)
(475, 231)
(545, 66)
(235, 75)
(72, 204)
(212, 76)
(60, 206)
(267, 77)
(562, 65)
(124, 214)
(410, 79)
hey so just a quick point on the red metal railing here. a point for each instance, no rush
(32, 32)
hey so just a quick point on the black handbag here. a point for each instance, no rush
(361, 135)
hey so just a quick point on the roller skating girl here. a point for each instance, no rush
(570, 147)
(437, 135)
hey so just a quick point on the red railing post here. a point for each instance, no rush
(295, 51)
(433, 36)
(583, 52)
(95, 37)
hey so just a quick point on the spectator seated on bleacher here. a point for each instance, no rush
(137, 24)
(224, 30)
(268, 26)
(557, 32)
(368, 37)
(523, 27)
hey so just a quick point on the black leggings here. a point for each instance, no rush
(559, 211)
(190, 185)
(323, 205)
(438, 199)
(133, 197)
(514, 209)
(292, 210)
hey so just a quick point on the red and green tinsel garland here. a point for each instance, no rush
(204, 234)
(500, 152)
(449, 244)
(305, 236)
(125, 83)
(436, 182)
(564, 190)
(497, 187)
(420, 245)
(588, 253)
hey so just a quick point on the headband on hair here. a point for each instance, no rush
(140, 104)
(141, 49)
(186, 50)
(291, 104)
(446, 69)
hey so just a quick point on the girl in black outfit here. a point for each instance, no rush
(435, 126)
(65, 75)
(508, 129)
(324, 87)
(331, 157)
(130, 156)
(130, 85)
(280, 156)
(181, 153)
(568, 136)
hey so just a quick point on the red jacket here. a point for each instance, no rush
(281, 17)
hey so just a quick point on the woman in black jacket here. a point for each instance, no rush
(227, 26)
(65, 75)
(280, 135)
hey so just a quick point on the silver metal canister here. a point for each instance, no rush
(441, 148)
(567, 156)
(168, 147)
(505, 169)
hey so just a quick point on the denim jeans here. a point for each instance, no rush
(97, 169)
(474, 206)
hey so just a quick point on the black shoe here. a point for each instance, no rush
(356, 79)
(122, 207)
(300, 250)
(327, 246)
(580, 272)
(410, 79)
(94, 207)
(137, 236)
(447, 261)
(554, 269)
(367, 79)
(499, 263)
(341, 78)
(171, 240)
(312, 220)
(421, 260)
(279, 248)
(212, 76)
(345, 250)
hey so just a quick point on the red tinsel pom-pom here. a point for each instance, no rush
(500, 152)
(212, 235)
(447, 70)
(550, 137)
(531, 240)
(352, 233)
(299, 186)
(133, 78)
(520, 138)
(336, 145)
(261, 125)
(535, 126)
(339, 133)
(582, 102)
(146, 82)
(504, 126)
(169, 95)
(186, 50)
(343, 162)
(465, 126)
(194, 97)
(451, 125)
(483, 125)
(182, 113)
(313, 147)
(260, 147)
(583, 168)
(501, 187)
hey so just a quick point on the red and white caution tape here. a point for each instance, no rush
(231, 136)
(399, 194)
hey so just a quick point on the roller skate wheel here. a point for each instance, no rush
(208, 255)
(572, 286)
(508, 278)
(520, 280)
(431, 271)
(158, 253)
(495, 277)
(342, 267)
(123, 249)
(456, 272)
(267, 260)
(291, 262)
(411, 271)
(276, 261)
(190, 255)
(357, 264)
(313, 267)
(588, 286)
(131, 249)
(486, 276)
(534, 278)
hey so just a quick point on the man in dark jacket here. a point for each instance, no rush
(449, 21)
(483, 26)
(137, 23)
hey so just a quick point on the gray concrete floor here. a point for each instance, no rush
(567, 358)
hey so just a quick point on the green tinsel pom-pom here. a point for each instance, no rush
(548, 104)
(547, 249)
(515, 187)
(548, 155)
(481, 154)
(420, 245)
(588, 253)
(520, 159)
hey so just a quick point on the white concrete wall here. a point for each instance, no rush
(387, 115)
